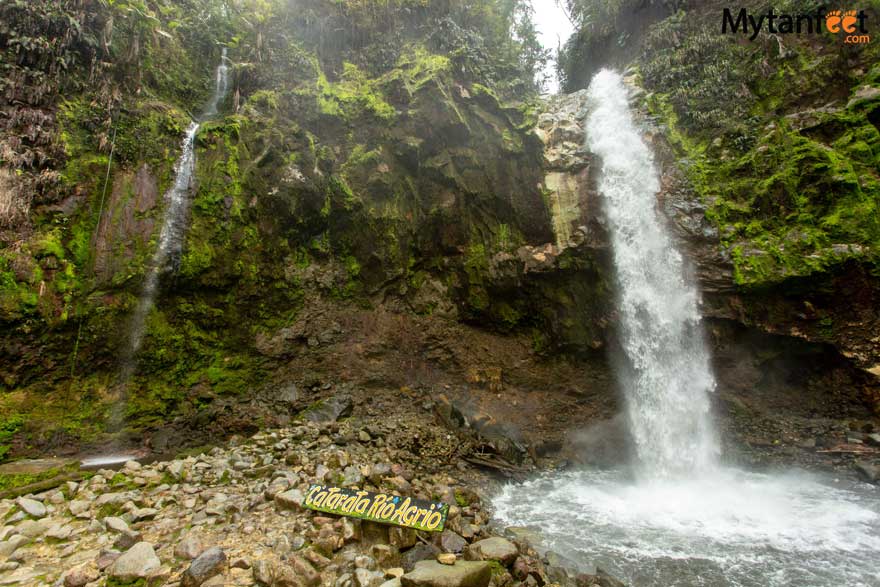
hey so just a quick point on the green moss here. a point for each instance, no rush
(795, 201)
(22, 480)
(351, 97)
(416, 67)
(9, 426)
(497, 568)
(461, 498)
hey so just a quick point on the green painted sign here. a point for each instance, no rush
(378, 507)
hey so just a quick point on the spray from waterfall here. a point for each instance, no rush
(669, 379)
(174, 224)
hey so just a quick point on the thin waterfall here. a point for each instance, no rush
(669, 380)
(173, 233)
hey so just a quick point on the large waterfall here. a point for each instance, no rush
(173, 233)
(668, 383)
(686, 520)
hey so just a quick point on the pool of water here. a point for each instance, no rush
(727, 529)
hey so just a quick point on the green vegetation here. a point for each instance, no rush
(791, 183)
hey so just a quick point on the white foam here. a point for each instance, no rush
(743, 529)
(109, 460)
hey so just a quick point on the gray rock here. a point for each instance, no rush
(351, 475)
(126, 539)
(378, 471)
(288, 395)
(461, 574)
(34, 528)
(863, 94)
(144, 514)
(402, 538)
(59, 532)
(175, 469)
(870, 472)
(7, 547)
(451, 542)
(79, 508)
(208, 564)
(136, 563)
(419, 552)
(81, 575)
(367, 578)
(263, 572)
(305, 572)
(188, 548)
(290, 500)
(495, 548)
(115, 524)
(31, 507)
(330, 409)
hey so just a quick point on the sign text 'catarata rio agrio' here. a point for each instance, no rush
(378, 507)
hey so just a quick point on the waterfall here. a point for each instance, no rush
(684, 520)
(221, 85)
(172, 235)
(668, 381)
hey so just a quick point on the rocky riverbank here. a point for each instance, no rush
(232, 516)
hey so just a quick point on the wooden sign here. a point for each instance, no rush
(378, 507)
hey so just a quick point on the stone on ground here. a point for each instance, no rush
(208, 564)
(188, 548)
(136, 563)
(290, 499)
(495, 548)
(31, 507)
(461, 574)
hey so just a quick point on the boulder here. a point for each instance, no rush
(495, 548)
(451, 542)
(81, 575)
(115, 524)
(869, 471)
(330, 409)
(290, 500)
(461, 574)
(31, 507)
(79, 508)
(417, 553)
(208, 564)
(189, 547)
(136, 563)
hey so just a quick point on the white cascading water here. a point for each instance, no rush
(173, 231)
(686, 520)
(667, 388)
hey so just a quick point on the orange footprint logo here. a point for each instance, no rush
(849, 21)
(833, 20)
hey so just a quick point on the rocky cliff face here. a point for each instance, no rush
(772, 361)
(414, 220)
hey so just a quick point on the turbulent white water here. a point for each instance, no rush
(667, 387)
(731, 529)
(684, 521)
(173, 233)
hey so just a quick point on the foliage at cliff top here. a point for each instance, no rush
(780, 137)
